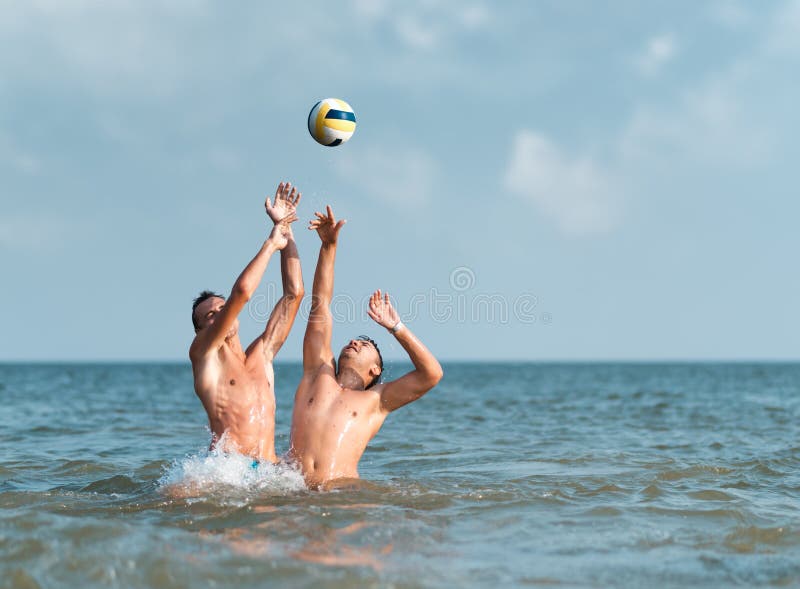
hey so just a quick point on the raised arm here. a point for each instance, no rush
(317, 341)
(283, 315)
(212, 337)
(427, 370)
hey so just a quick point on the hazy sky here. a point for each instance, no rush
(530, 180)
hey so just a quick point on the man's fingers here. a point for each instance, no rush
(330, 213)
(268, 204)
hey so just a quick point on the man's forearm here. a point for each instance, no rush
(322, 291)
(250, 278)
(424, 361)
(291, 272)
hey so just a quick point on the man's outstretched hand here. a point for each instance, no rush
(381, 310)
(286, 200)
(327, 227)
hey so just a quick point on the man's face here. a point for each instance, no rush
(207, 311)
(360, 355)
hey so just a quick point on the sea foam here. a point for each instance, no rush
(216, 474)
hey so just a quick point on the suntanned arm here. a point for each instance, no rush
(283, 315)
(212, 337)
(317, 340)
(427, 370)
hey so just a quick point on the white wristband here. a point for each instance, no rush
(397, 327)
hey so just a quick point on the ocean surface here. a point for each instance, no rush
(505, 475)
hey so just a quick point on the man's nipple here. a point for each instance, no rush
(233, 382)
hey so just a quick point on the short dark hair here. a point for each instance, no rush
(365, 338)
(206, 294)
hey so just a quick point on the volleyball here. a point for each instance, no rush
(331, 122)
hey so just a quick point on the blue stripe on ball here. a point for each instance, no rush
(341, 114)
(335, 143)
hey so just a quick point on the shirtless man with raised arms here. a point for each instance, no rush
(236, 386)
(338, 407)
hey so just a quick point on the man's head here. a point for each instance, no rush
(205, 309)
(363, 356)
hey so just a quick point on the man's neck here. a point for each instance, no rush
(349, 379)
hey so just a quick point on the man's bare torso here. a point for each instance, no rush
(237, 392)
(331, 427)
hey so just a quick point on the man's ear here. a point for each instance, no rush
(375, 371)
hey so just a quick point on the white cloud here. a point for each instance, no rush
(397, 177)
(474, 16)
(576, 193)
(422, 24)
(784, 38)
(109, 47)
(735, 118)
(30, 232)
(417, 33)
(659, 51)
(731, 14)
(709, 125)
(17, 158)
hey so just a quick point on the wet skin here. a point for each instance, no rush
(335, 415)
(236, 389)
(332, 424)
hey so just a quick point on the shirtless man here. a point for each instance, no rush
(236, 386)
(339, 409)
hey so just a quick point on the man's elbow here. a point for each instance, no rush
(434, 375)
(295, 290)
(243, 291)
(294, 297)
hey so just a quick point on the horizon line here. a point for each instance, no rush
(729, 360)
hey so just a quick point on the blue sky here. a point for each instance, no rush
(530, 180)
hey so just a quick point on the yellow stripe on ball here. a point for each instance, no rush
(320, 122)
(340, 125)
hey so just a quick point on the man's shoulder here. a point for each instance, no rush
(202, 349)
(198, 349)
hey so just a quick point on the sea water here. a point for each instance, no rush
(505, 475)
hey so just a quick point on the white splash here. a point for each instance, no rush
(227, 476)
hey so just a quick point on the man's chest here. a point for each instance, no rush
(327, 405)
(232, 383)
